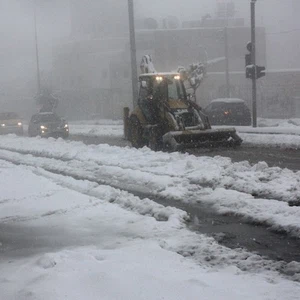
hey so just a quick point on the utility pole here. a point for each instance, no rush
(253, 61)
(227, 63)
(134, 76)
(37, 52)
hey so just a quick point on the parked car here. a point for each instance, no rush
(48, 125)
(10, 122)
(228, 111)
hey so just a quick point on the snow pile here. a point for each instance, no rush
(289, 141)
(97, 128)
(153, 171)
(97, 122)
(64, 242)
(230, 187)
(271, 133)
(287, 123)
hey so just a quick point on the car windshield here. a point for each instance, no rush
(229, 106)
(8, 116)
(169, 88)
(47, 118)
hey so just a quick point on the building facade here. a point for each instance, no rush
(92, 71)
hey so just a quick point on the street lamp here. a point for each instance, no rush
(253, 61)
(134, 76)
(37, 51)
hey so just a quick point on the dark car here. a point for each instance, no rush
(228, 111)
(10, 122)
(48, 125)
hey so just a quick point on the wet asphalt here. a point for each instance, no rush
(230, 230)
(275, 157)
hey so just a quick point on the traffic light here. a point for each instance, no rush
(250, 68)
(260, 72)
(250, 71)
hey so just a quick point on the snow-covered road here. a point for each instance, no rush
(63, 238)
(258, 193)
(270, 133)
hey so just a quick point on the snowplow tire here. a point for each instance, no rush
(136, 133)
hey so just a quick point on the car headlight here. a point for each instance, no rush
(2, 125)
(19, 124)
(43, 127)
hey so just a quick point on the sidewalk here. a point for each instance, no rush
(271, 133)
(272, 126)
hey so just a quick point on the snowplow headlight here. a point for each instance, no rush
(43, 127)
(66, 126)
(159, 78)
(177, 77)
(19, 124)
(3, 125)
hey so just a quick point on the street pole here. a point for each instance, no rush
(134, 76)
(227, 63)
(37, 53)
(253, 61)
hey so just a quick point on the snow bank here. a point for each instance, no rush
(286, 123)
(271, 133)
(271, 140)
(97, 128)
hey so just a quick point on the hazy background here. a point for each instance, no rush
(17, 59)
(53, 20)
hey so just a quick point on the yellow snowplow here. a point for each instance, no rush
(165, 119)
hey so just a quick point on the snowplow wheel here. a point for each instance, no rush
(155, 140)
(136, 132)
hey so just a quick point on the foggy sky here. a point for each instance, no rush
(53, 20)
(279, 17)
(17, 35)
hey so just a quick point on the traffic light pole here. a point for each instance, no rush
(37, 53)
(253, 60)
(227, 63)
(134, 76)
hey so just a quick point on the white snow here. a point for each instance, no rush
(81, 244)
(227, 100)
(97, 128)
(283, 133)
(284, 141)
(269, 133)
(180, 176)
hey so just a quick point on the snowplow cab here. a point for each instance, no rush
(165, 118)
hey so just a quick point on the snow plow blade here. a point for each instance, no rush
(209, 138)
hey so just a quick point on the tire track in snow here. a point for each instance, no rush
(55, 167)
(74, 169)
(233, 179)
(239, 257)
(280, 218)
(203, 249)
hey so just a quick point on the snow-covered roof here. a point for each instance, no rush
(160, 74)
(46, 113)
(227, 100)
